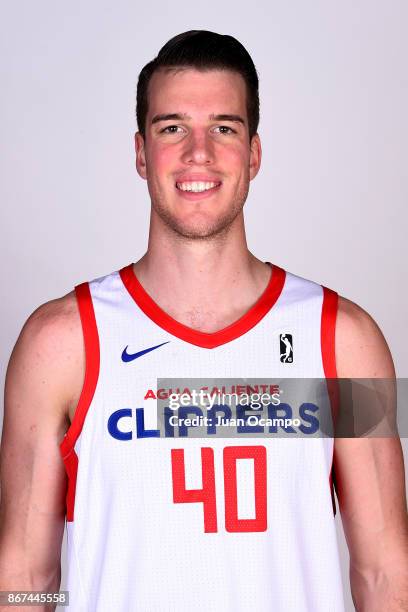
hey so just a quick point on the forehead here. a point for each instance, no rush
(185, 90)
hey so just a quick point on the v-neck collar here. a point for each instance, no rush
(205, 339)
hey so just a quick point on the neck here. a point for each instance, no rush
(205, 284)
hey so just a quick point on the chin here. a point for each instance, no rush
(200, 227)
(198, 230)
(197, 223)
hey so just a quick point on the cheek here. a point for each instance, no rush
(160, 160)
(233, 158)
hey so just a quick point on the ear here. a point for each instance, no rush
(255, 156)
(140, 155)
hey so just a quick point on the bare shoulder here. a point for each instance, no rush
(361, 348)
(48, 357)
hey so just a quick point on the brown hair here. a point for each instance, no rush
(202, 50)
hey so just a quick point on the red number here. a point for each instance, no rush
(258, 454)
(207, 495)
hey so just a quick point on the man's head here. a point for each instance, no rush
(198, 112)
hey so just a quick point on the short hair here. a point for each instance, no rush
(202, 50)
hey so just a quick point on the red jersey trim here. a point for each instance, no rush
(194, 336)
(328, 333)
(328, 330)
(92, 357)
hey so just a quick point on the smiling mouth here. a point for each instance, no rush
(197, 186)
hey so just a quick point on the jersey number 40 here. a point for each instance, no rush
(207, 495)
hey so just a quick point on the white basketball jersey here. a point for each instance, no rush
(159, 520)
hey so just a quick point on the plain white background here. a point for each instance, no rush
(329, 203)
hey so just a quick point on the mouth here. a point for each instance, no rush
(198, 187)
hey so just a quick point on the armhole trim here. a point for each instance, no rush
(328, 346)
(92, 360)
(328, 331)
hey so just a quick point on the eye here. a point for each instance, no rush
(224, 129)
(170, 129)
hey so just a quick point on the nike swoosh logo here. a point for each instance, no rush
(130, 357)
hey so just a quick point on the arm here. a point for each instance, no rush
(370, 482)
(43, 380)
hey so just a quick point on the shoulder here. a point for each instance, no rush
(48, 355)
(52, 326)
(360, 346)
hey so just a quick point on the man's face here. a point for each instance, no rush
(196, 155)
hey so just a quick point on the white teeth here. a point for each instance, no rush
(196, 186)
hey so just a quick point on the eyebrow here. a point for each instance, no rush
(234, 118)
(212, 117)
(169, 117)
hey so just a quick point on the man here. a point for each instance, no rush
(158, 521)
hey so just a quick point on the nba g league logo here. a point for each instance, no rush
(286, 348)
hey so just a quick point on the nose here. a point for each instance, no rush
(198, 149)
